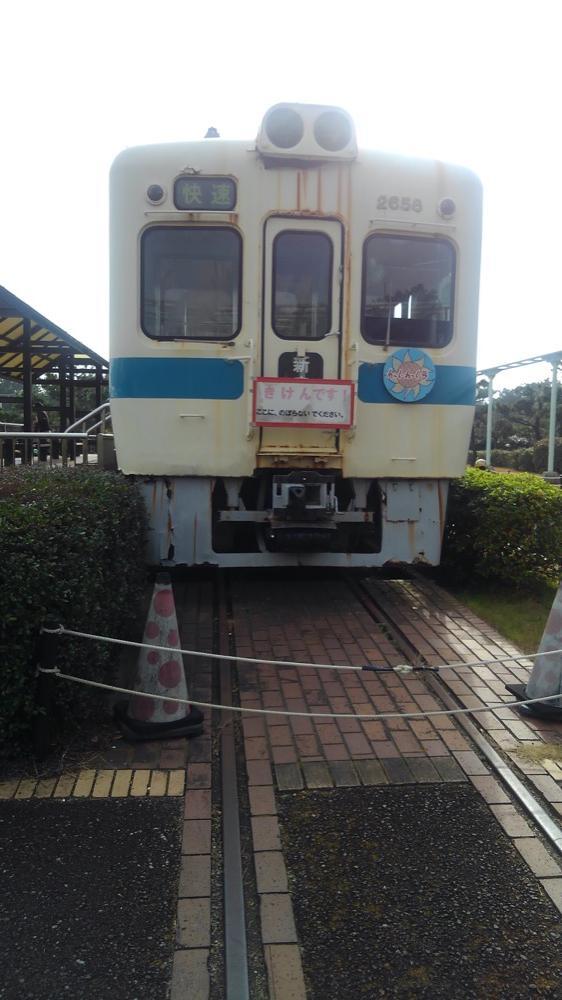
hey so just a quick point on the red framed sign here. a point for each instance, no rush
(303, 402)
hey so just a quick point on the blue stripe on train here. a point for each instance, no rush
(175, 378)
(455, 385)
(218, 378)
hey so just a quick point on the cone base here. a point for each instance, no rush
(540, 710)
(136, 731)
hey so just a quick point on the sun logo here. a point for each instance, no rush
(409, 376)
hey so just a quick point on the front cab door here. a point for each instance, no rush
(302, 322)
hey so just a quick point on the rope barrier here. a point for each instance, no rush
(305, 715)
(399, 668)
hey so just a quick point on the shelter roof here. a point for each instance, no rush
(49, 345)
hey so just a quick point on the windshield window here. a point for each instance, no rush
(191, 283)
(408, 287)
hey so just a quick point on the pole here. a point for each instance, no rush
(489, 418)
(47, 656)
(552, 422)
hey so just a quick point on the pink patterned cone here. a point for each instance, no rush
(546, 676)
(159, 671)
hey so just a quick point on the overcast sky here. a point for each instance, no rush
(476, 83)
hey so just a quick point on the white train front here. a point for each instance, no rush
(293, 343)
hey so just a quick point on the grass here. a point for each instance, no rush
(520, 615)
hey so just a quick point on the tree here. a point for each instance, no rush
(521, 416)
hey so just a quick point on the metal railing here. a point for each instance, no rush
(53, 448)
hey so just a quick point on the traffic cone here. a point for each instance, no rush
(160, 672)
(546, 675)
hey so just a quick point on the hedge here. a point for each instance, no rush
(72, 545)
(504, 527)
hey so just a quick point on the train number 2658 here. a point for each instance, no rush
(396, 203)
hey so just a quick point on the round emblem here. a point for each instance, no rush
(409, 375)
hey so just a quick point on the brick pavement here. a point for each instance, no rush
(322, 622)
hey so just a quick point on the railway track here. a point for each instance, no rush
(288, 618)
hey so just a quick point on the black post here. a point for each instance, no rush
(27, 448)
(47, 656)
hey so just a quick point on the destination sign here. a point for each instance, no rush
(204, 194)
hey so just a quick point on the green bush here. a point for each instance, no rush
(523, 460)
(540, 455)
(504, 527)
(533, 459)
(72, 545)
(503, 458)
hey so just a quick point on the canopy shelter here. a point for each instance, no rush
(555, 360)
(34, 349)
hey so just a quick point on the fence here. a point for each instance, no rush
(51, 448)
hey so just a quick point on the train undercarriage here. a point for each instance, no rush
(298, 517)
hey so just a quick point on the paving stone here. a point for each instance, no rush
(336, 752)
(317, 775)
(553, 887)
(194, 923)
(158, 784)
(25, 788)
(102, 784)
(277, 923)
(406, 743)
(520, 730)
(196, 836)
(513, 824)
(284, 755)
(145, 754)
(454, 740)
(64, 786)
(489, 788)
(255, 748)
(553, 769)
(471, 763)
(195, 875)
(284, 969)
(397, 771)
(271, 873)
(547, 786)
(176, 783)
(370, 772)
(262, 800)
(385, 748)
(449, 769)
(265, 830)
(434, 748)
(198, 803)
(423, 770)
(259, 772)
(344, 773)
(199, 750)
(139, 783)
(120, 787)
(356, 743)
(84, 783)
(537, 857)
(190, 975)
(199, 776)
(171, 759)
(45, 788)
(289, 777)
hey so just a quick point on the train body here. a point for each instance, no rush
(293, 343)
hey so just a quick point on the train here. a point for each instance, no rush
(293, 328)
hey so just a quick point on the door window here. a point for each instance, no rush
(302, 285)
